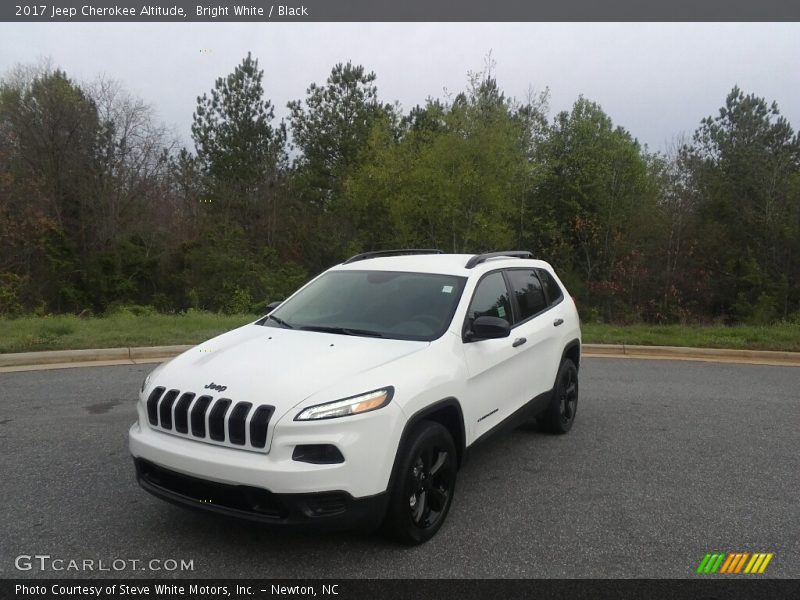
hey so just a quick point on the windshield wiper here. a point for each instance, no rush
(280, 322)
(341, 330)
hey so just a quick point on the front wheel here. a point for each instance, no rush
(560, 415)
(426, 480)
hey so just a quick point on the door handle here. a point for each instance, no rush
(518, 342)
(557, 322)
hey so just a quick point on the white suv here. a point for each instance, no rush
(355, 400)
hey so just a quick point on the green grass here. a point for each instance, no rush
(750, 337)
(66, 332)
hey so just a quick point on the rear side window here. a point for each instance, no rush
(490, 299)
(528, 291)
(554, 294)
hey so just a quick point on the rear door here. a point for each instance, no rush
(560, 314)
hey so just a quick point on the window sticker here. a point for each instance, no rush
(447, 289)
(501, 312)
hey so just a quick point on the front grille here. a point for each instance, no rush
(216, 420)
(152, 405)
(236, 423)
(258, 425)
(199, 416)
(165, 408)
(207, 419)
(182, 413)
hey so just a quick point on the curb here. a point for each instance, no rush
(760, 357)
(59, 359)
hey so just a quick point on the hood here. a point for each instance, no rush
(280, 367)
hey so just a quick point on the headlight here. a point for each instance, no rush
(146, 381)
(353, 405)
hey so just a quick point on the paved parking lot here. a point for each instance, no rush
(667, 461)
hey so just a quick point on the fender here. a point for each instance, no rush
(569, 346)
(420, 416)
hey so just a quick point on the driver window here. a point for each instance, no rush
(490, 299)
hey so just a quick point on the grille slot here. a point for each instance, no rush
(182, 413)
(165, 408)
(216, 420)
(199, 416)
(238, 497)
(220, 421)
(259, 424)
(152, 405)
(236, 423)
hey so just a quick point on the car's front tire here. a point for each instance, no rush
(560, 414)
(424, 486)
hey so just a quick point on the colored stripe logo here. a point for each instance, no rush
(734, 562)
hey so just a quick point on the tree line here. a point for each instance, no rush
(100, 208)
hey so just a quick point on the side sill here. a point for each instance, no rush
(530, 410)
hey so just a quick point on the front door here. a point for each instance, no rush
(493, 371)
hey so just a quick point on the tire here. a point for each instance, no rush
(424, 485)
(560, 414)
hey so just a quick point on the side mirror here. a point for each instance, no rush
(489, 328)
(273, 305)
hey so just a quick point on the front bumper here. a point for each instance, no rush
(368, 444)
(326, 510)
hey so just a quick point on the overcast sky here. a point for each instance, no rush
(656, 80)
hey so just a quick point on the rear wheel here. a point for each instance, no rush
(425, 483)
(560, 415)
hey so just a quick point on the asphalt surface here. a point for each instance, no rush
(666, 461)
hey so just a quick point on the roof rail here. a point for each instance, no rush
(482, 258)
(378, 253)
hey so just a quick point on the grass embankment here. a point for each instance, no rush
(66, 332)
(784, 336)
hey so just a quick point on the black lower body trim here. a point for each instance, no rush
(528, 411)
(329, 510)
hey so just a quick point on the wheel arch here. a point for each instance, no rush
(572, 351)
(447, 412)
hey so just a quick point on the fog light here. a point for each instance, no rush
(317, 454)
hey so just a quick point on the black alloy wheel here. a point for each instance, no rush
(568, 392)
(431, 486)
(560, 415)
(426, 478)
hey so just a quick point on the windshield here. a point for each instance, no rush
(390, 304)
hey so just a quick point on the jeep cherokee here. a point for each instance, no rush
(353, 402)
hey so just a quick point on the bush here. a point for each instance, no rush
(122, 309)
(10, 285)
(239, 302)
